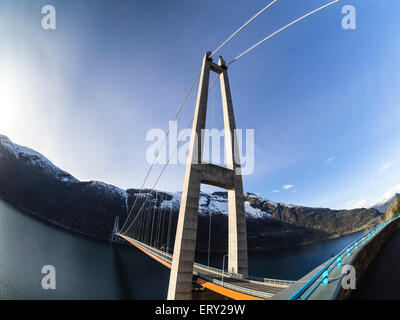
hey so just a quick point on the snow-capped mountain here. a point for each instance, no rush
(31, 182)
(34, 159)
(38, 161)
(217, 202)
(386, 200)
(214, 203)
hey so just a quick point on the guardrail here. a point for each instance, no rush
(277, 282)
(323, 275)
(248, 291)
(159, 253)
(284, 283)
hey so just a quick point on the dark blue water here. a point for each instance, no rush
(85, 268)
(90, 269)
(287, 264)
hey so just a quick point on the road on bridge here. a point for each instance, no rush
(382, 278)
(245, 289)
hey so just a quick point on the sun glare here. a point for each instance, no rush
(12, 94)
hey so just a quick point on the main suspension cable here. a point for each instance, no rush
(182, 104)
(188, 93)
(165, 166)
(281, 29)
(240, 29)
(159, 149)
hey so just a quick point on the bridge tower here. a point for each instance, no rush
(198, 172)
(114, 236)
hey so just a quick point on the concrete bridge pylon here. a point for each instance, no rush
(197, 173)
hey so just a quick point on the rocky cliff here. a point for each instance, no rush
(393, 208)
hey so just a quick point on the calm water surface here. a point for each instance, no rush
(90, 269)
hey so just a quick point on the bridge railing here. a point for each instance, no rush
(248, 291)
(322, 276)
(168, 257)
(278, 282)
(157, 252)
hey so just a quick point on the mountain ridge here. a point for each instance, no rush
(30, 181)
(383, 204)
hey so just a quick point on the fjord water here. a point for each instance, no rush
(92, 269)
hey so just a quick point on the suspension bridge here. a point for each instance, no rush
(151, 233)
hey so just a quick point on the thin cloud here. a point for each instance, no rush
(275, 191)
(386, 165)
(288, 186)
(355, 204)
(330, 159)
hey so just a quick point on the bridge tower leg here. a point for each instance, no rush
(198, 172)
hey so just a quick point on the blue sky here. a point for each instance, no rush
(323, 101)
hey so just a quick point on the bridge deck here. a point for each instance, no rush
(231, 285)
